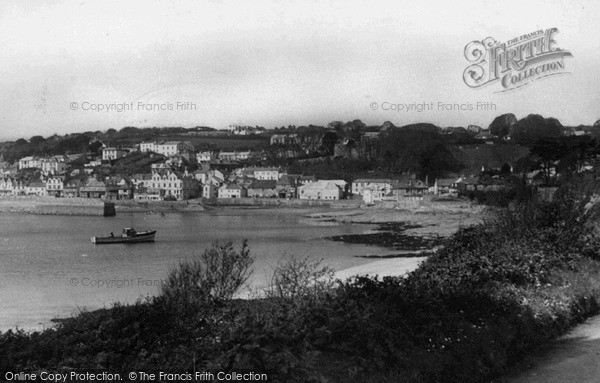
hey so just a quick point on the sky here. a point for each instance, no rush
(274, 63)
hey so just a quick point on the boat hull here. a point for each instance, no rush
(147, 236)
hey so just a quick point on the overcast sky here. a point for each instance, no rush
(273, 63)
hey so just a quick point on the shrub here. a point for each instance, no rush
(274, 340)
(213, 277)
(300, 278)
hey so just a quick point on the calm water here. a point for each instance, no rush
(49, 268)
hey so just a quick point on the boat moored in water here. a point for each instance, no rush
(130, 235)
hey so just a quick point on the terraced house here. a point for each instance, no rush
(55, 186)
(54, 165)
(171, 184)
(170, 148)
(112, 153)
(266, 173)
(30, 162)
(36, 187)
(232, 190)
(375, 188)
(321, 190)
(11, 186)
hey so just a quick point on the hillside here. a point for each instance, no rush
(473, 157)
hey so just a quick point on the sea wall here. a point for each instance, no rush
(279, 202)
(89, 206)
(51, 205)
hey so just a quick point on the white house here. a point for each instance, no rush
(175, 184)
(112, 153)
(264, 174)
(210, 189)
(55, 185)
(148, 146)
(53, 166)
(321, 190)
(170, 148)
(377, 188)
(36, 187)
(232, 190)
(30, 162)
(10, 186)
(206, 156)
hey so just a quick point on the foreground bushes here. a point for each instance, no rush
(489, 296)
(492, 294)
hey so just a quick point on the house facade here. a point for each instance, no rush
(321, 190)
(287, 186)
(232, 190)
(172, 184)
(262, 189)
(284, 139)
(265, 173)
(377, 188)
(409, 186)
(93, 188)
(445, 186)
(30, 162)
(170, 148)
(53, 166)
(235, 155)
(210, 189)
(11, 186)
(206, 156)
(55, 186)
(112, 153)
(36, 187)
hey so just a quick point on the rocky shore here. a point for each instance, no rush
(413, 234)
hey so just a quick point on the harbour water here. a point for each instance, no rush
(50, 269)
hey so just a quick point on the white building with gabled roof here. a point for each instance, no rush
(321, 190)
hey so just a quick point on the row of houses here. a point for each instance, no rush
(48, 165)
(372, 190)
(57, 186)
(242, 130)
(377, 189)
(286, 187)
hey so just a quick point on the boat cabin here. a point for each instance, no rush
(129, 232)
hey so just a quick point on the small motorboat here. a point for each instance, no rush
(130, 235)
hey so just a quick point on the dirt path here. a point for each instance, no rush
(573, 358)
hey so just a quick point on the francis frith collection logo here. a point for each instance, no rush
(516, 62)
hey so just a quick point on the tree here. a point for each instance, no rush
(548, 153)
(418, 148)
(335, 125)
(95, 147)
(435, 160)
(328, 142)
(37, 140)
(534, 127)
(502, 125)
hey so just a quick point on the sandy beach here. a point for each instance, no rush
(438, 220)
(382, 268)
